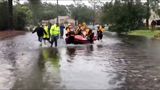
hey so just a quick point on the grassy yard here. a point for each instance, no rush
(146, 33)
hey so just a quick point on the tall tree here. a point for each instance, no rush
(124, 16)
(22, 16)
(37, 10)
(148, 14)
(50, 11)
(10, 5)
(76, 2)
(96, 5)
(154, 4)
(83, 13)
(4, 16)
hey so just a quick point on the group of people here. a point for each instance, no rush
(100, 31)
(83, 30)
(51, 33)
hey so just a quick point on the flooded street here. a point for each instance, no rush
(116, 63)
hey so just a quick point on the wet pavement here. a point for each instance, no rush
(116, 63)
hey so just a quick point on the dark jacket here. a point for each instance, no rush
(40, 31)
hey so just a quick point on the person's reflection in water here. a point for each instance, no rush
(100, 46)
(41, 60)
(71, 53)
(90, 49)
(51, 76)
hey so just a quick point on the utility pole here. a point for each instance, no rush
(94, 2)
(10, 7)
(57, 12)
(77, 2)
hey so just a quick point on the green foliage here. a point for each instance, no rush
(145, 33)
(82, 12)
(4, 17)
(22, 16)
(50, 11)
(123, 16)
(45, 11)
(37, 10)
(29, 13)
(154, 4)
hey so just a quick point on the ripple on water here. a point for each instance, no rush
(7, 76)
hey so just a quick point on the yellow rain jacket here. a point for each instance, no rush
(55, 30)
(46, 35)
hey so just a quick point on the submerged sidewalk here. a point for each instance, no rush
(8, 34)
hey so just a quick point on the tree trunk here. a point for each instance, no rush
(148, 14)
(10, 7)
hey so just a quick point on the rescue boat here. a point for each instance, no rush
(79, 39)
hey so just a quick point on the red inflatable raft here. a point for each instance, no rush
(79, 39)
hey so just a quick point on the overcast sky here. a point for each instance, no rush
(64, 2)
(67, 2)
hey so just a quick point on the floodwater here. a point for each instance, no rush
(116, 63)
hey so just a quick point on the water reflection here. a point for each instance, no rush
(99, 46)
(7, 64)
(50, 64)
(132, 64)
(11, 54)
(72, 51)
(90, 48)
(51, 55)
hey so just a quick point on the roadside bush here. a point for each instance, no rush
(22, 16)
(19, 20)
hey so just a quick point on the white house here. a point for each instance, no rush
(63, 19)
(153, 16)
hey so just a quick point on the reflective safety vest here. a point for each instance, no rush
(46, 30)
(45, 54)
(55, 30)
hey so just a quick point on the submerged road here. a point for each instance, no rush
(126, 63)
